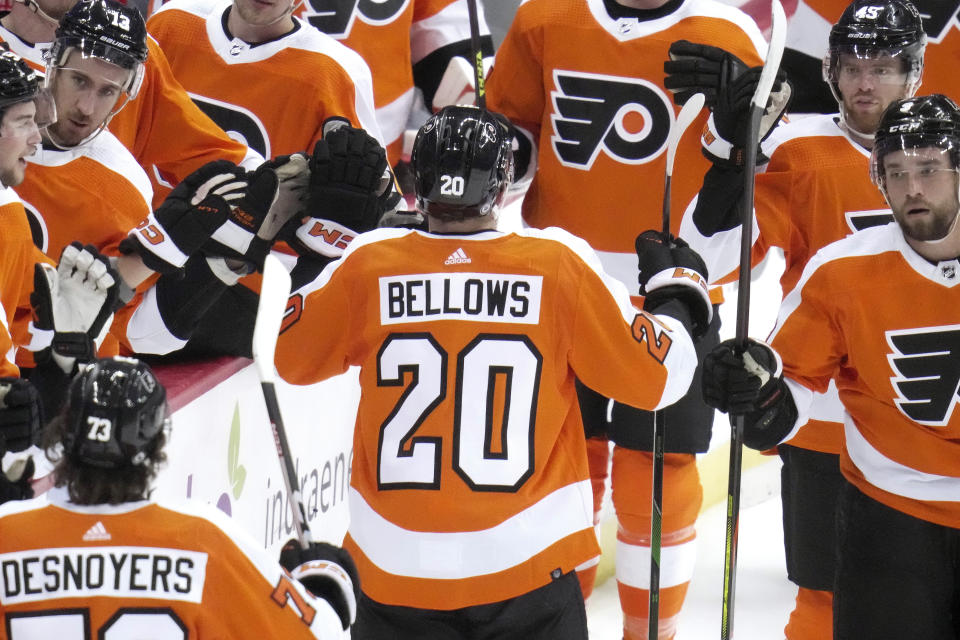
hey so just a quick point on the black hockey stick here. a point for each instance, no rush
(274, 292)
(687, 115)
(477, 53)
(757, 107)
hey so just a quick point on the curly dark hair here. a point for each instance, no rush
(89, 485)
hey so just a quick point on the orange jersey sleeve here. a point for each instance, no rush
(276, 95)
(167, 132)
(600, 115)
(173, 570)
(891, 343)
(468, 430)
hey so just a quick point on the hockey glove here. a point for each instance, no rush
(750, 384)
(350, 189)
(671, 271)
(21, 415)
(327, 572)
(699, 68)
(196, 208)
(76, 301)
(15, 482)
(244, 236)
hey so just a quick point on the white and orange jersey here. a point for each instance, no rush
(815, 190)
(274, 95)
(144, 569)
(590, 90)
(94, 194)
(145, 123)
(880, 320)
(392, 36)
(17, 257)
(469, 482)
(809, 29)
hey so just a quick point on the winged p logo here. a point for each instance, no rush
(629, 119)
(926, 364)
(939, 16)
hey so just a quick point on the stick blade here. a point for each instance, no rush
(274, 292)
(778, 38)
(688, 113)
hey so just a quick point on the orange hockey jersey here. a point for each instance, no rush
(815, 190)
(144, 569)
(469, 482)
(17, 257)
(94, 194)
(392, 36)
(275, 95)
(168, 135)
(881, 320)
(590, 90)
(809, 29)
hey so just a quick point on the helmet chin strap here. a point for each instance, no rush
(852, 129)
(33, 6)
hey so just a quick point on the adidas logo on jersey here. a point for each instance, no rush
(96, 532)
(457, 257)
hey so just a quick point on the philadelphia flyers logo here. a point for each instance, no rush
(335, 17)
(939, 16)
(239, 123)
(926, 367)
(628, 119)
(858, 220)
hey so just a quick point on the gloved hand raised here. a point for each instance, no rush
(76, 301)
(671, 271)
(183, 222)
(328, 572)
(21, 415)
(350, 189)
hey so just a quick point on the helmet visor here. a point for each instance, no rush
(898, 161)
(20, 127)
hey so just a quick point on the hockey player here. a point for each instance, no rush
(95, 557)
(598, 116)
(470, 494)
(887, 345)
(417, 46)
(273, 80)
(807, 42)
(146, 125)
(814, 190)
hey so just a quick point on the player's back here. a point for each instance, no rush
(170, 571)
(468, 430)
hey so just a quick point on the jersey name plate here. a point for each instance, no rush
(117, 572)
(475, 297)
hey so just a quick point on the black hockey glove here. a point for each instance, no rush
(252, 225)
(671, 271)
(750, 384)
(350, 189)
(15, 483)
(21, 414)
(76, 301)
(700, 68)
(328, 572)
(194, 210)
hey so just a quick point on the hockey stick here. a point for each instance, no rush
(757, 107)
(477, 53)
(686, 116)
(274, 291)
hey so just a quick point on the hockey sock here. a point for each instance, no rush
(812, 617)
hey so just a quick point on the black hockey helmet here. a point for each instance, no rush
(922, 121)
(104, 29)
(116, 411)
(462, 163)
(20, 83)
(873, 28)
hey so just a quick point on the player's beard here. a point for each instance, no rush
(932, 226)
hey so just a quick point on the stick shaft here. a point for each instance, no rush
(477, 53)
